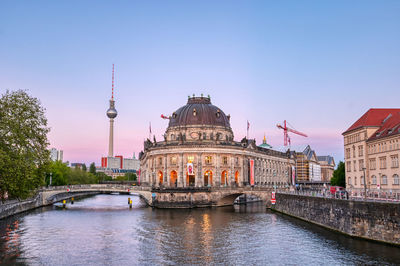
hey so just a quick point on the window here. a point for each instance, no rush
(173, 160)
(395, 161)
(360, 150)
(355, 181)
(362, 180)
(160, 161)
(208, 159)
(361, 164)
(348, 166)
(354, 152)
(372, 164)
(172, 137)
(384, 180)
(190, 159)
(348, 153)
(225, 160)
(396, 180)
(382, 162)
(354, 166)
(237, 160)
(349, 182)
(373, 180)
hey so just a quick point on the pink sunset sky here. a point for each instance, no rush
(319, 65)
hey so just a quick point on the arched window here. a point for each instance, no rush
(373, 180)
(396, 180)
(349, 181)
(384, 180)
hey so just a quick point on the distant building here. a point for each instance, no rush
(77, 165)
(307, 166)
(56, 155)
(327, 164)
(119, 162)
(372, 146)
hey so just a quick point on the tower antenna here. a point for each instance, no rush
(112, 86)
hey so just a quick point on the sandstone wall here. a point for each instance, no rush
(378, 221)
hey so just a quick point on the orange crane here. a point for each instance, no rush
(286, 129)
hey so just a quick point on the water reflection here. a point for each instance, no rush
(102, 230)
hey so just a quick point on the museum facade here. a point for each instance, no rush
(199, 150)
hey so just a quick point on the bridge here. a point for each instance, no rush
(50, 195)
(190, 197)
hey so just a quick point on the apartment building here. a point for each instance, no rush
(371, 147)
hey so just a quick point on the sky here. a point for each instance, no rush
(319, 65)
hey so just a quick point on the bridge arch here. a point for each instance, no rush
(228, 199)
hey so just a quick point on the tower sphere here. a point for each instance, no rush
(112, 113)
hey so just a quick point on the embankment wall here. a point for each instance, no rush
(379, 221)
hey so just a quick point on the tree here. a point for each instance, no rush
(92, 168)
(60, 173)
(339, 175)
(130, 177)
(24, 157)
(84, 168)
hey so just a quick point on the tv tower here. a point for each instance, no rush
(111, 113)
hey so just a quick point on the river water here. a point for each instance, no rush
(103, 230)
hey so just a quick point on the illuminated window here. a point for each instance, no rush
(225, 160)
(190, 159)
(208, 159)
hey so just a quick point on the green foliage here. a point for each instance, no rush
(63, 175)
(84, 168)
(130, 176)
(103, 177)
(92, 168)
(59, 173)
(339, 175)
(24, 156)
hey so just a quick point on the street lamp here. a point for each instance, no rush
(365, 185)
(51, 179)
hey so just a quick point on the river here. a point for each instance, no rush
(102, 230)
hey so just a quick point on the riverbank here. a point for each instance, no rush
(13, 207)
(376, 221)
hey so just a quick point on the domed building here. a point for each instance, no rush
(199, 150)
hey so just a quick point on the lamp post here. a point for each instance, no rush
(51, 179)
(365, 185)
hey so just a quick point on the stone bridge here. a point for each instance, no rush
(189, 197)
(206, 197)
(55, 194)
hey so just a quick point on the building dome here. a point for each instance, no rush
(199, 111)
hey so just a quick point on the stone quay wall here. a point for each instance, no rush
(378, 221)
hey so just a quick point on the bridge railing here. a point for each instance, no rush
(93, 186)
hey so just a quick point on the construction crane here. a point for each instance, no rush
(286, 138)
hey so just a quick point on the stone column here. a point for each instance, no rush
(180, 172)
(232, 172)
(166, 177)
(217, 176)
(199, 177)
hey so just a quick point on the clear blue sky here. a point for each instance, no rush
(318, 64)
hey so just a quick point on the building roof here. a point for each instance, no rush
(199, 111)
(327, 158)
(372, 118)
(389, 127)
